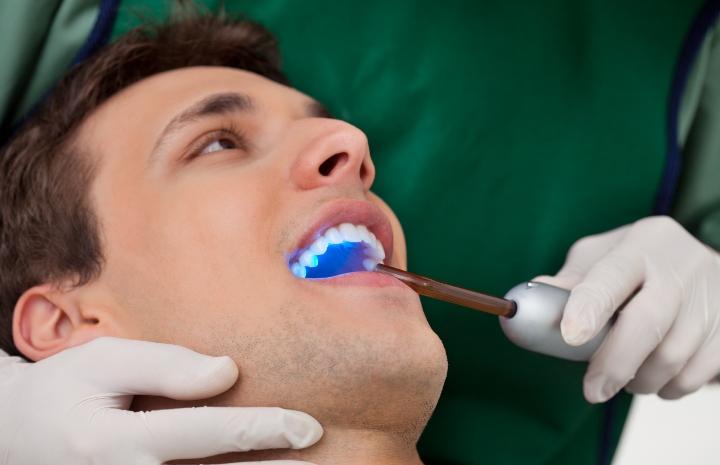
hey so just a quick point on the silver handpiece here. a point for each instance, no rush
(530, 313)
(536, 324)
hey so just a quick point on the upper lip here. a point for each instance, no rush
(356, 212)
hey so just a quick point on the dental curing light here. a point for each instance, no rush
(530, 313)
(449, 293)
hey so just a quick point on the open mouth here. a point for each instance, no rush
(346, 248)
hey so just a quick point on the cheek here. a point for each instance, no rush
(195, 254)
(223, 232)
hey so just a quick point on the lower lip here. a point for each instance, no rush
(364, 278)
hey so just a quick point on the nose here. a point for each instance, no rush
(333, 152)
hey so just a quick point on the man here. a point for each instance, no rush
(168, 190)
(503, 132)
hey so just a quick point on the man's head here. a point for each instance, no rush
(181, 197)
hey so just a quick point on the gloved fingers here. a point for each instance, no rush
(639, 328)
(126, 366)
(607, 284)
(190, 433)
(698, 371)
(681, 342)
(582, 256)
(564, 282)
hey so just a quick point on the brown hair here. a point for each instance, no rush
(48, 231)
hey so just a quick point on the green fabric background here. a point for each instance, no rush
(502, 132)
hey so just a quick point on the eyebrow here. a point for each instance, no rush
(213, 105)
(224, 104)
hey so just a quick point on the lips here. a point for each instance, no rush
(344, 236)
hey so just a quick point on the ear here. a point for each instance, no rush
(48, 320)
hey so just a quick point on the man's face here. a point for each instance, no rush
(211, 182)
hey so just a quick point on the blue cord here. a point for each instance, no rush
(100, 34)
(706, 17)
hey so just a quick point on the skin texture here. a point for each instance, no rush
(196, 254)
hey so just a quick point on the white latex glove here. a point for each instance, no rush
(666, 340)
(71, 408)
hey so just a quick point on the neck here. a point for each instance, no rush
(338, 447)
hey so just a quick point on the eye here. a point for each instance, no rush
(226, 138)
(220, 144)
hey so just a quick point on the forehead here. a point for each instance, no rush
(153, 101)
(122, 133)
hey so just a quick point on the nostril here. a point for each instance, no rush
(329, 165)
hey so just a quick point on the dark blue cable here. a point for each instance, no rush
(607, 439)
(706, 17)
(100, 33)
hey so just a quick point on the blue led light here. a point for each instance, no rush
(346, 257)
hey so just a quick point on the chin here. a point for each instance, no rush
(395, 380)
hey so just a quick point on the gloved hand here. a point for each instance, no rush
(71, 408)
(667, 339)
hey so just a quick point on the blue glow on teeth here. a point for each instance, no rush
(342, 258)
(298, 270)
(308, 259)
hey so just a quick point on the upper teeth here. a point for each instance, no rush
(345, 232)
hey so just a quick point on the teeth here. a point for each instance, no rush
(375, 242)
(308, 259)
(320, 246)
(298, 270)
(364, 234)
(369, 264)
(345, 232)
(349, 232)
(333, 236)
(378, 253)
